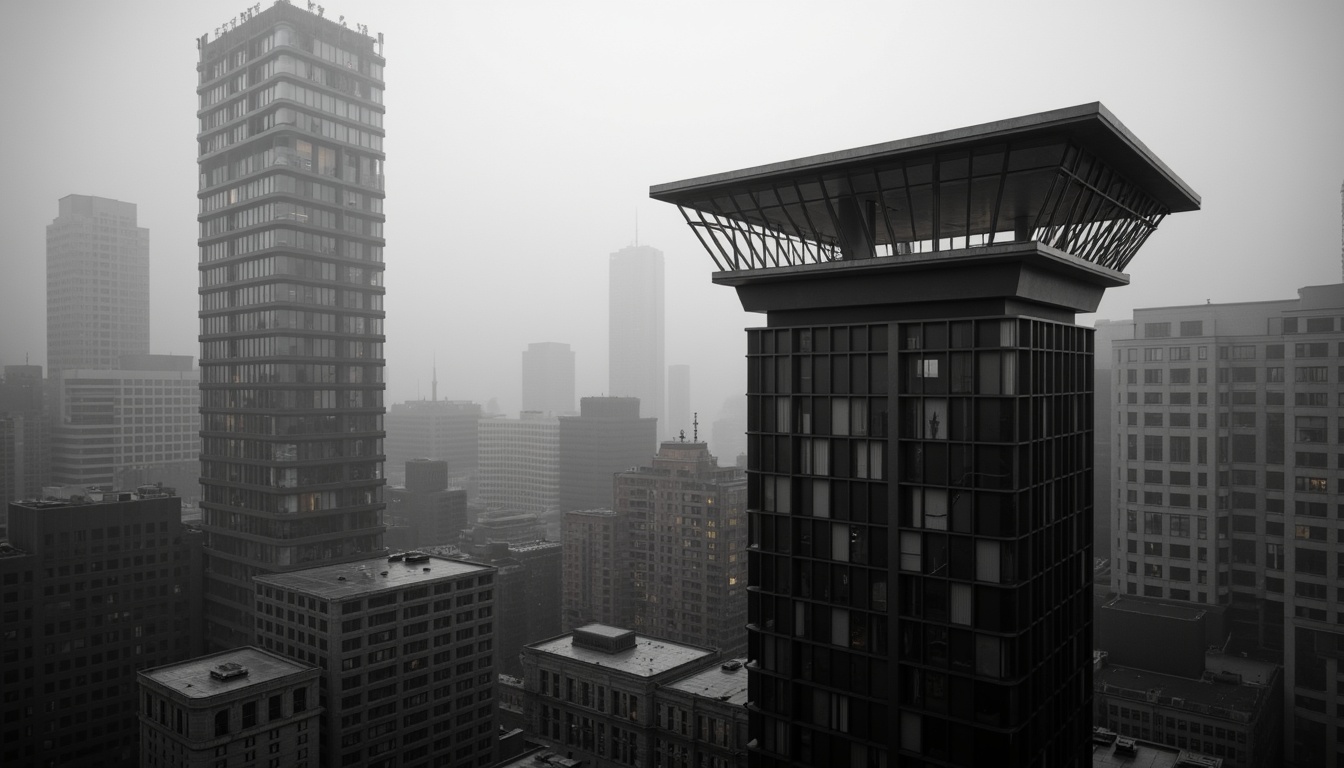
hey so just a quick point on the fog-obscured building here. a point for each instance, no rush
(97, 284)
(134, 424)
(440, 430)
(520, 463)
(608, 436)
(25, 433)
(426, 512)
(548, 378)
(635, 323)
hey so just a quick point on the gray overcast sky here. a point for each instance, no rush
(522, 138)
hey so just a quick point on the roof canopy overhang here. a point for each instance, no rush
(1073, 179)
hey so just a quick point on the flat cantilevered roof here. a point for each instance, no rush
(1075, 179)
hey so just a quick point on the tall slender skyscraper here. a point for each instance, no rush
(548, 378)
(636, 317)
(291, 261)
(919, 431)
(97, 284)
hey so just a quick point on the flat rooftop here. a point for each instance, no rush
(1146, 755)
(1151, 608)
(192, 678)
(650, 657)
(716, 683)
(1225, 696)
(366, 577)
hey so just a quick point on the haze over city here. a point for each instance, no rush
(524, 137)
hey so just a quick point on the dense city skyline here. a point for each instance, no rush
(545, 102)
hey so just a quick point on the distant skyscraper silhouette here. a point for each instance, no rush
(97, 284)
(548, 378)
(636, 329)
(291, 262)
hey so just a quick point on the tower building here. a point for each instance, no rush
(919, 432)
(97, 284)
(635, 328)
(685, 566)
(608, 436)
(291, 262)
(1228, 485)
(548, 378)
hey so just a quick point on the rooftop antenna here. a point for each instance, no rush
(695, 428)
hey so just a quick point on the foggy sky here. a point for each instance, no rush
(522, 138)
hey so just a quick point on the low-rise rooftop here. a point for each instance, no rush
(193, 679)
(649, 657)
(725, 682)
(1216, 699)
(338, 582)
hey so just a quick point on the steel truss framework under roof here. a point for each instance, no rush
(1073, 179)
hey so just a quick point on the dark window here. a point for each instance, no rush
(222, 722)
(1192, 327)
(1156, 330)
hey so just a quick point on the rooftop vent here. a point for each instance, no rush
(1103, 737)
(600, 637)
(228, 671)
(1124, 745)
(417, 557)
(397, 558)
(731, 666)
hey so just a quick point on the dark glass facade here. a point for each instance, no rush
(291, 249)
(921, 497)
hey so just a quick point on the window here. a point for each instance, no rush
(1180, 419)
(1179, 526)
(1243, 375)
(1152, 355)
(1315, 374)
(1152, 523)
(1180, 450)
(1178, 353)
(1319, 349)
(1152, 375)
(1192, 327)
(1180, 375)
(1243, 352)
(1152, 398)
(1152, 448)
(1311, 429)
(1311, 484)
(1152, 419)
(1156, 330)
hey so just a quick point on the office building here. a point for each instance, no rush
(679, 415)
(685, 563)
(596, 582)
(503, 526)
(241, 707)
(608, 436)
(520, 463)
(548, 378)
(442, 430)
(93, 589)
(920, 434)
(97, 284)
(406, 646)
(134, 424)
(290, 152)
(635, 323)
(591, 692)
(25, 433)
(1228, 484)
(527, 595)
(431, 512)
